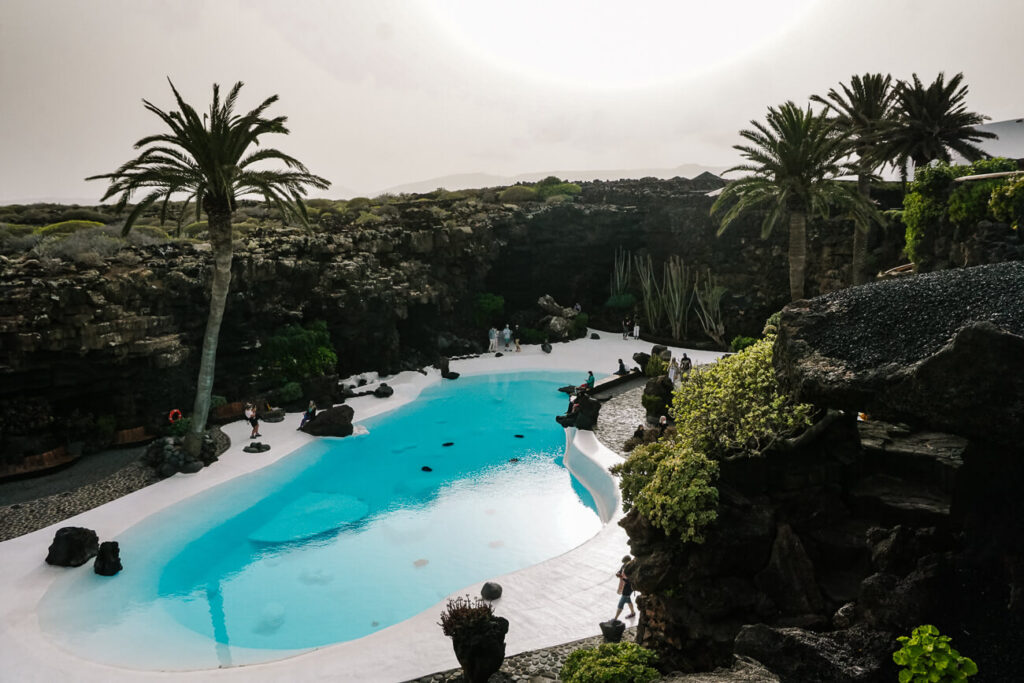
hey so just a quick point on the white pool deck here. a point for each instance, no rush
(561, 599)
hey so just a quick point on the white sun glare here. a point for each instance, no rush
(612, 43)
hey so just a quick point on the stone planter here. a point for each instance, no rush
(612, 630)
(481, 652)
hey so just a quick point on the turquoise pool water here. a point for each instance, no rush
(342, 538)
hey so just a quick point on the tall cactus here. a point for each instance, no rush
(709, 306)
(621, 273)
(651, 290)
(678, 291)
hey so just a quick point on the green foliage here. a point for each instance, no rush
(196, 229)
(68, 227)
(529, 335)
(927, 657)
(216, 401)
(561, 189)
(488, 308)
(733, 406)
(1007, 202)
(623, 302)
(656, 367)
(295, 353)
(673, 487)
(653, 404)
(740, 342)
(579, 325)
(291, 391)
(369, 218)
(771, 325)
(969, 201)
(81, 214)
(518, 194)
(359, 204)
(179, 428)
(87, 247)
(611, 663)
(463, 616)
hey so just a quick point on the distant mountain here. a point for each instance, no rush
(462, 181)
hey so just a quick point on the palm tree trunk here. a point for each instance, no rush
(219, 225)
(860, 237)
(797, 254)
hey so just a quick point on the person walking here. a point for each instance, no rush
(250, 415)
(625, 590)
(507, 335)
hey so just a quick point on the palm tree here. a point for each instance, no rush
(863, 111)
(931, 121)
(796, 158)
(209, 159)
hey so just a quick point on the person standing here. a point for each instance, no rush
(507, 335)
(625, 590)
(625, 328)
(685, 364)
(636, 329)
(515, 338)
(492, 339)
(250, 415)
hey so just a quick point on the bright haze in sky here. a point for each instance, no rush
(380, 93)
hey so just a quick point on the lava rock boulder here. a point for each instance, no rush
(73, 546)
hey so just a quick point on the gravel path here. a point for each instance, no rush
(74, 490)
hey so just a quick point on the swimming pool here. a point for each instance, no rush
(340, 539)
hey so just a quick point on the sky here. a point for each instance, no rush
(380, 93)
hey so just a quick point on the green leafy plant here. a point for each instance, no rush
(969, 201)
(927, 657)
(611, 663)
(216, 401)
(1007, 202)
(68, 227)
(740, 342)
(487, 308)
(579, 325)
(623, 302)
(518, 194)
(179, 428)
(771, 325)
(656, 367)
(530, 335)
(295, 353)
(732, 407)
(291, 391)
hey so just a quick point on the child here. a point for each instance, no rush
(250, 415)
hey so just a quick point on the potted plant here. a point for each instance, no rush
(478, 637)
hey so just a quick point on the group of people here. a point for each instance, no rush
(253, 418)
(676, 369)
(509, 335)
(630, 326)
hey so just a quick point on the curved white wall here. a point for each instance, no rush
(589, 460)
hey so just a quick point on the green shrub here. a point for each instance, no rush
(624, 301)
(68, 227)
(1007, 202)
(518, 194)
(488, 308)
(90, 215)
(653, 404)
(771, 325)
(733, 406)
(611, 663)
(292, 391)
(216, 401)
(529, 335)
(145, 235)
(295, 353)
(656, 367)
(579, 325)
(85, 246)
(195, 229)
(17, 241)
(740, 342)
(567, 190)
(927, 657)
(359, 204)
(179, 428)
(368, 218)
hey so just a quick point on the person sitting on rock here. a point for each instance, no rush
(622, 369)
(662, 425)
(590, 380)
(308, 415)
(639, 433)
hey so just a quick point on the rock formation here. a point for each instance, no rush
(108, 560)
(336, 421)
(828, 548)
(72, 546)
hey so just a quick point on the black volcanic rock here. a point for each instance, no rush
(942, 350)
(108, 561)
(336, 421)
(72, 546)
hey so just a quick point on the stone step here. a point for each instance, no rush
(930, 457)
(890, 501)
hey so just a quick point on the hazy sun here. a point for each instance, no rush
(612, 43)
